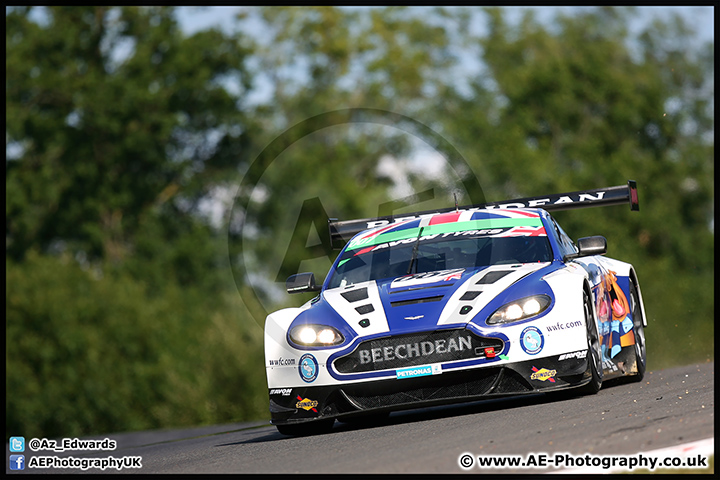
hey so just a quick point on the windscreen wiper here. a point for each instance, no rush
(414, 251)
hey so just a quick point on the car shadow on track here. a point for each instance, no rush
(442, 411)
(424, 414)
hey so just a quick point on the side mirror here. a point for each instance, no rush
(595, 245)
(302, 282)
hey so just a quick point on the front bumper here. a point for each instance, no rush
(305, 404)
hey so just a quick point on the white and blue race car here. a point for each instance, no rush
(455, 305)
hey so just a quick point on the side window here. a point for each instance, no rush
(566, 244)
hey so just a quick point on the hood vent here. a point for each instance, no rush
(400, 303)
(411, 289)
(470, 295)
(355, 295)
(492, 277)
(362, 310)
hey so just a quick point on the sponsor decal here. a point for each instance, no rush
(417, 349)
(416, 317)
(504, 357)
(553, 200)
(609, 365)
(563, 325)
(308, 368)
(489, 352)
(406, 237)
(614, 315)
(429, 277)
(389, 236)
(420, 371)
(306, 404)
(282, 362)
(441, 217)
(523, 232)
(579, 355)
(532, 340)
(543, 374)
(285, 392)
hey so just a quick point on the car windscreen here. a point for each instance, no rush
(431, 250)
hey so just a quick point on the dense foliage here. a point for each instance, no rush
(134, 290)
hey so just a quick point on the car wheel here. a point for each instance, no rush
(594, 360)
(317, 427)
(639, 332)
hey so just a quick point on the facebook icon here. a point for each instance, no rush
(17, 462)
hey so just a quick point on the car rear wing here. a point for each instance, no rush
(342, 231)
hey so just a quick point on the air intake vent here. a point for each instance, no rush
(425, 389)
(362, 310)
(400, 303)
(492, 277)
(355, 295)
(470, 295)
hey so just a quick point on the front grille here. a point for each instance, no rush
(427, 389)
(416, 349)
(512, 382)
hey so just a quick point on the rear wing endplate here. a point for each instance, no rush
(342, 231)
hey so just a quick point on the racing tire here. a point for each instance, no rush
(317, 427)
(639, 333)
(594, 359)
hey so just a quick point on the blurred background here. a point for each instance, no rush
(167, 168)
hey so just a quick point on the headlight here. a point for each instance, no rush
(520, 309)
(316, 335)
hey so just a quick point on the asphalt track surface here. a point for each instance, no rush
(669, 407)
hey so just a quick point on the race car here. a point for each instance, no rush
(455, 305)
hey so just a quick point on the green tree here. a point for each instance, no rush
(121, 310)
(96, 354)
(581, 104)
(111, 113)
(383, 62)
